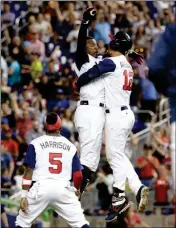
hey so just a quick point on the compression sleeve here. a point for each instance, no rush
(30, 158)
(105, 66)
(81, 52)
(76, 171)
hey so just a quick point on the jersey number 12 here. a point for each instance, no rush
(57, 163)
(128, 80)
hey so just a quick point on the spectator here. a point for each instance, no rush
(18, 179)
(148, 166)
(8, 113)
(5, 183)
(37, 46)
(7, 162)
(135, 98)
(67, 120)
(161, 187)
(14, 74)
(7, 17)
(4, 218)
(62, 103)
(25, 63)
(36, 67)
(132, 218)
(149, 95)
(10, 144)
(33, 133)
(43, 27)
(73, 36)
(4, 69)
(102, 28)
(15, 47)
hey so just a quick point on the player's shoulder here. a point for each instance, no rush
(65, 140)
(38, 139)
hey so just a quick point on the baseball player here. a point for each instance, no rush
(119, 119)
(90, 112)
(51, 162)
(90, 115)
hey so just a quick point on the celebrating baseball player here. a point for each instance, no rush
(116, 75)
(51, 162)
(90, 113)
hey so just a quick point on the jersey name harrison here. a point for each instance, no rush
(125, 65)
(52, 144)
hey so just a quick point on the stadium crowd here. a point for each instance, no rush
(37, 72)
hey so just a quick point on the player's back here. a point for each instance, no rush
(94, 90)
(54, 155)
(118, 84)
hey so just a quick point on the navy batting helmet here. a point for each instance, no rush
(121, 42)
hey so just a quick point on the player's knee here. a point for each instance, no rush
(85, 226)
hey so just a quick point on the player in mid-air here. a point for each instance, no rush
(90, 113)
(51, 162)
(117, 75)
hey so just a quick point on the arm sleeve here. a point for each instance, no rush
(30, 158)
(105, 66)
(81, 52)
(76, 165)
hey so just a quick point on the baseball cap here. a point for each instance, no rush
(4, 121)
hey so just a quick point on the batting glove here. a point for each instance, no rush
(135, 56)
(88, 15)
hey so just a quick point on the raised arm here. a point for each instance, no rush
(105, 66)
(81, 52)
(29, 163)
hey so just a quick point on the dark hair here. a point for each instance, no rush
(148, 147)
(89, 38)
(51, 118)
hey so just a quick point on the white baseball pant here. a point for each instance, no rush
(117, 129)
(57, 194)
(89, 121)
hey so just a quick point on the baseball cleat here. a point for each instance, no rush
(118, 206)
(142, 198)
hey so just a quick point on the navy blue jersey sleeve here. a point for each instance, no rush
(30, 158)
(105, 66)
(81, 55)
(76, 165)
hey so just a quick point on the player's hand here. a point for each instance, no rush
(24, 205)
(136, 56)
(78, 194)
(88, 15)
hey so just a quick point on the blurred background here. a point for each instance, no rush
(38, 42)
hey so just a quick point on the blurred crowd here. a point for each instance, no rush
(37, 71)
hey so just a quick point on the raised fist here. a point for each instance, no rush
(137, 57)
(88, 15)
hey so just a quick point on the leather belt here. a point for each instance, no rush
(83, 102)
(122, 109)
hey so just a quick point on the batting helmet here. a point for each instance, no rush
(53, 122)
(121, 41)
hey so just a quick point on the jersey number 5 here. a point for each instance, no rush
(57, 163)
(127, 80)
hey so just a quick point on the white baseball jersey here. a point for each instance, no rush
(52, 157)
(118, 83)
(94, 90)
